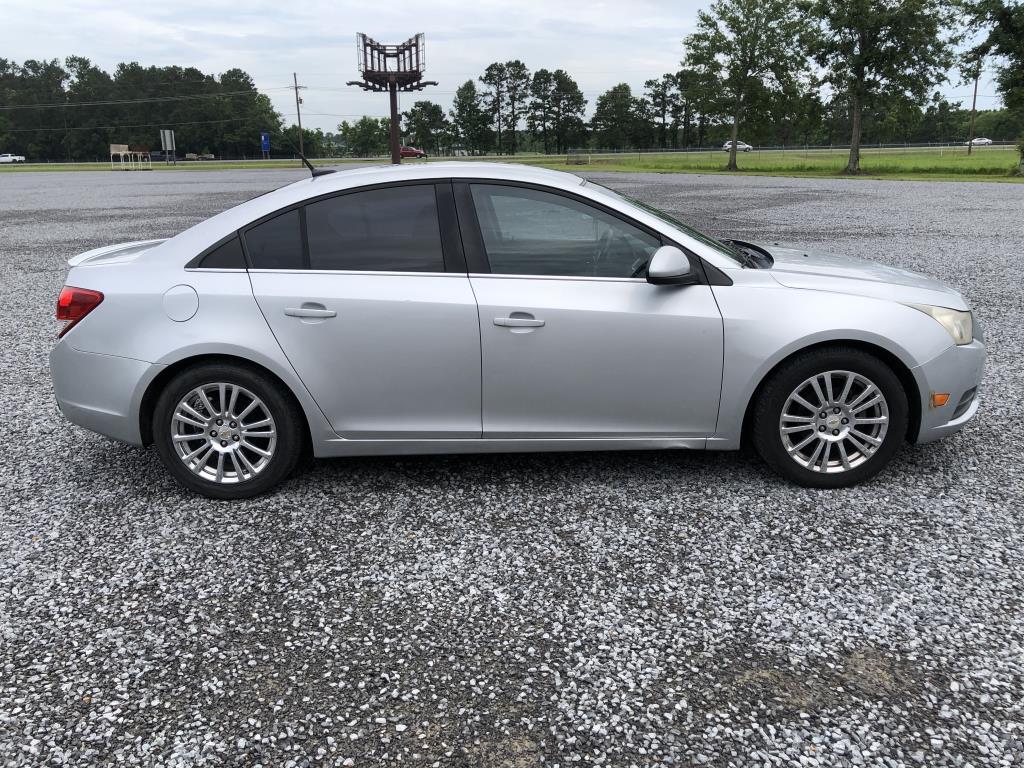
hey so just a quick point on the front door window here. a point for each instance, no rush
(533, 232)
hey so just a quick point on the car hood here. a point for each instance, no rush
(114, 254)
(798, 268)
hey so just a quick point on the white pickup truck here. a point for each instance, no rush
(7, 157)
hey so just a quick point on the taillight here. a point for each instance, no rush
(74, 304)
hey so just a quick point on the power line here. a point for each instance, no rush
(131, 125)
(112, 102)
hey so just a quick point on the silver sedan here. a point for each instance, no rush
(476, 307)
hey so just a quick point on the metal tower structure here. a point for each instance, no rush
(392, 68)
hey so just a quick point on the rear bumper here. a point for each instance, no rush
(102, 393)
(958, 372)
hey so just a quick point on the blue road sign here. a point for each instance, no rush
(265, 141)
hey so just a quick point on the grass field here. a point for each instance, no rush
(933, 164)
(984, 164)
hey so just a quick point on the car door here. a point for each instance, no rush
(574, 342)
(368, 296)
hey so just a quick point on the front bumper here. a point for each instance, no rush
(958, 372)
(102, 393)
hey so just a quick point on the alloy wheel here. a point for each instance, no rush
(223, 433)
(834, 421)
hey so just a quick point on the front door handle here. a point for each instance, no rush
(310, 312)
(518, 322)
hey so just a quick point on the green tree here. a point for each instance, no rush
(809, 111)
(567, 108)
(699, 100)
(76, 110)
(757, 45)
(997, 124)
(469, 120)
(366, 137)
(314, 142)
(1003, 21)
(248, 112)
(517, 91)
(663, 97)
(541, 111)
(87, 83)
(40, 133)
(426, 125)
(617, 118)
(872, 51)
(495, 81)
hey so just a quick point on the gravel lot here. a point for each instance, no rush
(607, 609)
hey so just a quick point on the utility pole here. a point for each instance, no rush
(974, 105)
(298, 109)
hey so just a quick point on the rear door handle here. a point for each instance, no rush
(309, 312)
(518, 322)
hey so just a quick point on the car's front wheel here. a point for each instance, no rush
(226, 431)
(830, 418)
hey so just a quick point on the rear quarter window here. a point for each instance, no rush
(227, 255)
(276, 243)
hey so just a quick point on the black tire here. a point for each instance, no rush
(774, 393)
(288, 422)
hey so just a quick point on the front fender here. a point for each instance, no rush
(766, 323)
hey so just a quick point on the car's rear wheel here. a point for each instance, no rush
(227, 432)
(830, 418)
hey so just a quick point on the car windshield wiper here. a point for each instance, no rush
(751, 255)
(745, 257)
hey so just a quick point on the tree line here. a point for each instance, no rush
(74, 110)
(768, 72)
(510, 111)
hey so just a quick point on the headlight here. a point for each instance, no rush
(959, 324)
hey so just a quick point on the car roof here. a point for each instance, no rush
(382, 174)
(351, 178)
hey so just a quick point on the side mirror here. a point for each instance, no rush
(670, 266)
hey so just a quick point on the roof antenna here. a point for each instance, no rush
(314, 171)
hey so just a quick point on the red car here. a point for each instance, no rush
(412, 152)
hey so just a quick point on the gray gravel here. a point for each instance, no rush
(607, 609)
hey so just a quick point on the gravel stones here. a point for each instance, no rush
(606, 609)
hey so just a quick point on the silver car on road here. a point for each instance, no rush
(477, 307)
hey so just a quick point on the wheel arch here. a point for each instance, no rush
(156, 386)
(900, 368)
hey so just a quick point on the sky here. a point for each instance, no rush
(599, 44)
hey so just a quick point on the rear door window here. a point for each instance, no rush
(394, 229)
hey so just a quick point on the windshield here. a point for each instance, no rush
(700, 237)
